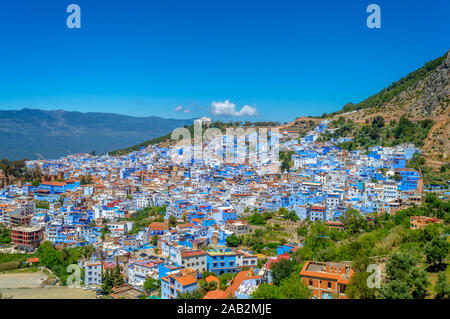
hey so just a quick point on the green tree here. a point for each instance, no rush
(281, 270)
(155, 240)
(108, 282)
(151, 284)
(358, 288)
(302, 231)
(292, 216)
(49, 256)
(378, 121)
(404, 279)
(225, 278)
(205, 286)
(266, 291)
(257, 219)
(442, 287)
(117, 276)
(293, 287)
(396, 289)
(105, 230)
(172, 221)
(354, 221)
(436, 251)
(285, 165)
(233, 240)
(194, 294)
(5, 234)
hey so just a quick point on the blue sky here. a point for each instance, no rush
(280, 58)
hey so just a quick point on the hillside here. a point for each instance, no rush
(413, 109)
(32, 134)
(422, 95)
(302, 124)
(165, 141)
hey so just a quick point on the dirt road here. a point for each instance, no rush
(48, 293)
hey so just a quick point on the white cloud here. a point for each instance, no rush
(180, 108)
(227, 108)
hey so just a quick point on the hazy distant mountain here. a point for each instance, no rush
(31, 133)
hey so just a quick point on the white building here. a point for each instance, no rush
(138, 272)
(92, 273)
(390, 192)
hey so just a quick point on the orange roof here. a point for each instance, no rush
(211, 278)
(54, 183)
(425, 218)
(237, 281)
(274, 260)
(339, 277)
(33, 260)
(186, 280)
(158, 226)
(216, 294)
(185, 225)
(193, 253)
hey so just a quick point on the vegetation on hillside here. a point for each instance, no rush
(430, 176)
(58, 260)
(265, 237)
(134, 148)
(17, 170)
(54, 259)
(112, 278)
(387, 94)
(5, 235)
(217, 124)
(143, 217)
(412, 256)
(10, 261)
(378, 133)
(286, 160)
(151, 284)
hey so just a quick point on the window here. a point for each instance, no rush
(310, 282)
(329, 284)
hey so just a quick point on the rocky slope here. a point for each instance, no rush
(427, 97)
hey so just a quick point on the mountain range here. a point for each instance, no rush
(33, 133)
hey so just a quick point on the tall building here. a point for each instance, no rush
(26, 238)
